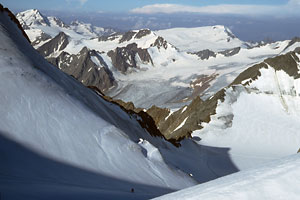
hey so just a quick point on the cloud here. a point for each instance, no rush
(292, 7)
(294, 2)
(82, 2)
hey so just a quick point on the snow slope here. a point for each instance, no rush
(257, 121)
(70, 141)
(35, 23)
(215, 38)
(89, 30)
(54, 119)
(276, 180)
(92, 148)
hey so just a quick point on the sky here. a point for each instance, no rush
(245, 7)
(250, 20)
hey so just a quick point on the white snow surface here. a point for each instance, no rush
(69, 124)
(36, 22)
(57, 118)
(276, 180)
(88, 29)
(261, 141)
(265, 120)
(215, 38)
(32, 17)
(96, 61)
(181, 125)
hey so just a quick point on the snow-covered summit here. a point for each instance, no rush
(215, 38)
(32, 17)
(37, 26)
(90, 30)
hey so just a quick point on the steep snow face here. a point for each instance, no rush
(258, 121)
(215, 38)
(276, 180)
(35, 24)
(89, 30)
(53, 115)
(32, 17)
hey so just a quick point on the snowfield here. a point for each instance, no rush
(215, 38)
(259, 125)
(276, 180)
(60, 140)
(91, 145)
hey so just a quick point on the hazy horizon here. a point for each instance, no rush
(263, 24)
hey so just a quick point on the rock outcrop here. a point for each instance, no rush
(87, 67)
(231, 52)
(124, 59)
(160, 42)
(58, 43)
(183, 122)
(205, 54)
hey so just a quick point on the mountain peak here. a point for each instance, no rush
(32, 17)
(215, 38)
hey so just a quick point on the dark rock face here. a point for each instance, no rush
(205, 54)
(41, 38)
(160, 42)
(142, 33)
(230, 35)
(183, 122)
(158, 114)
(231, 52)
(201, 83)
(293, 41)
(127, 36)
(172, 126)
(58, 43)
(287, 63)
(83, 68)
(112, 37)
(145, 120)
(60, 23)
(124, 58)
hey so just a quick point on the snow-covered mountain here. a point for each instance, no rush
(57, 135)
(256, 118)
(59, 139)
(41, 28)
(166, 68)
(214, 38)
(230, 108)
(31, 18)
(90, 30)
